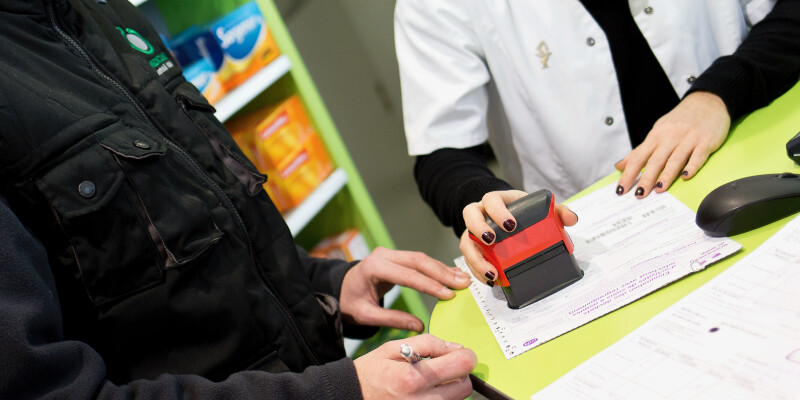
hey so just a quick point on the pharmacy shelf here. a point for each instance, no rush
(352, 345)
(244, 93)
(298, 218)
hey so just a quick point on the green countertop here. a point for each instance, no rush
(756, 145)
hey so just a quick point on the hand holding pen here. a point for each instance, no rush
(420, 366)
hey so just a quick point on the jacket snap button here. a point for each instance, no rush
(648, 10)
(140, 144)
(87, 189)
(691, 79)
(609, 121)
(590, 41)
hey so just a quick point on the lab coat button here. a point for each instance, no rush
(691, 79)
(648, 10)
(609, 121)
(590, 41)
(86, 189)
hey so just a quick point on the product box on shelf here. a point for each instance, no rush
(196, 43)
(236, 46)
(285, 127)
(203, 76)
(246, 42)
(300, 173)
(282, 143)
(348, 245)
(200, 57)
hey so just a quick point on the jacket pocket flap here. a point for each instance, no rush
(193, 97)
(131, 143)
(83, 183)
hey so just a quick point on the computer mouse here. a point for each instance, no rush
(748, 203)
(793, 148)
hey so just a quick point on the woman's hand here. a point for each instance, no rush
(679, 144)
(493, 204)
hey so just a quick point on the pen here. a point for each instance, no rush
(408, 354)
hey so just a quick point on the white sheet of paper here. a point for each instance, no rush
(736, 337)
(627, 248)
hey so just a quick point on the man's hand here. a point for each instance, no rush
(366, 283)
(384, 374)
(493, 204)
(679, 144)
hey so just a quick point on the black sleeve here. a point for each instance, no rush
(765, 65)
(38, 362)
(450, 179)
(326, 276)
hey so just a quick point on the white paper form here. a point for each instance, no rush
(736, 337)
(627, 248)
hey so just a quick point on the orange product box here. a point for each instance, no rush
(279, 199)
(285, 127)
(348, 245)
(299, 174)
(282, 143)
(245, 142)
(244, 138)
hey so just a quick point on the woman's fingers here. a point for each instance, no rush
(481, 269)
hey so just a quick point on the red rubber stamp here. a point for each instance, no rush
(535, 260)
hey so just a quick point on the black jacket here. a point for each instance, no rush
(165, 254)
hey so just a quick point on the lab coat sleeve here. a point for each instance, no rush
(763, 67)
(443, 76)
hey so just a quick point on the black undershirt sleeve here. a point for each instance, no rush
(644, 87)
(448, 179)
(765, 65)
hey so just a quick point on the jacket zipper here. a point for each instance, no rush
(264, 279)
(284, 309)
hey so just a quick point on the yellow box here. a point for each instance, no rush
(282, 143)
(284, 129)
(300, 173)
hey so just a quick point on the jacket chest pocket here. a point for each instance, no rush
(225, 149)
(132, 207)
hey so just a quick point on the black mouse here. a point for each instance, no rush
(749, 203)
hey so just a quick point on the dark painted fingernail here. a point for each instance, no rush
(490, 283)
(659, 185)
(489, 275)
(620, 189)
(488, 237)
(639, 191)
(685, 173)
(576, 216)
(509, 225)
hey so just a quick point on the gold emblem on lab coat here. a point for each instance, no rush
(543, 53)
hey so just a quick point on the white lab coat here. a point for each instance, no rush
(536, 78)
